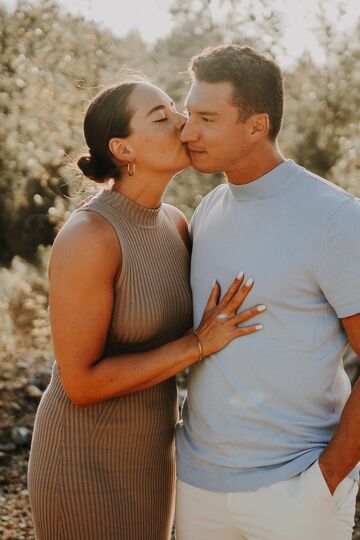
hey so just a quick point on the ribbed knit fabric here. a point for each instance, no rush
(107, 471)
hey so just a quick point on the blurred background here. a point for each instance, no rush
(54, 57)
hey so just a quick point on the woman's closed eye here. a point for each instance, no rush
(162, 119)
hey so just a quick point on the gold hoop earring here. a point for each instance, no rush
(131, 168)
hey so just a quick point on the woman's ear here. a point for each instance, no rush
(121, 150)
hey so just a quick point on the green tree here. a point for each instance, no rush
(52, 63)
(321, 129)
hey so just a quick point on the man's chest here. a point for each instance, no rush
(279, 254)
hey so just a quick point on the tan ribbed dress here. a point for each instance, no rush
(107, 471)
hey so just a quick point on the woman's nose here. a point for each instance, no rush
(181, 120)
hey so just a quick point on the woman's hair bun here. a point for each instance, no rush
(90, 168)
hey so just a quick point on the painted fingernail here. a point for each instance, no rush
(259, 327)
(249, 282)
(261, 308)
(214, 283)
(240, 275)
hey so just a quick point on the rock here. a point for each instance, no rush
(7, 448)
(40, 377)
(15, 407)
(18, 504)
(21, 435)
(19, 383)
(33, 391)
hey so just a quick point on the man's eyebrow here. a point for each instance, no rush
(160, 107)
(206, 113)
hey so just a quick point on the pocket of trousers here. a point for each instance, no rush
(315, 489)
(322, 482)
(341, 492)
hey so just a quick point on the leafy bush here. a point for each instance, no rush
(23, 307)
(53, 63)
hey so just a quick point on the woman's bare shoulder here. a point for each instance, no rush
(84, 223)
(86, 239)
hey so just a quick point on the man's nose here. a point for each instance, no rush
(188, 132)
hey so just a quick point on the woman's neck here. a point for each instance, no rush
(145, 192)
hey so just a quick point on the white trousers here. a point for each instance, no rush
(300, 508)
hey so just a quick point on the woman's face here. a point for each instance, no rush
(155, 131)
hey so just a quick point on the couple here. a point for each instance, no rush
(268, 446)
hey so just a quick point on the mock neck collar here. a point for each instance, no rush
(141, 215)
(267, 184)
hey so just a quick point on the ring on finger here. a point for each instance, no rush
(222, 317)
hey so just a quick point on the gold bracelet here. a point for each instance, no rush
(201, 350)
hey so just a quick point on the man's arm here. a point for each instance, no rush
(343, 451)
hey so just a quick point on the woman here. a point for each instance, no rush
(102, 457)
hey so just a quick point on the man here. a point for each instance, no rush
(265, 451)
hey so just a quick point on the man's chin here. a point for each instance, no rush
(199, 164)
(201, 167)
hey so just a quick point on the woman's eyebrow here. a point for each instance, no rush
(160, 107)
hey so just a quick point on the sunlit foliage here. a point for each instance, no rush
(53, 62)
(322, 121)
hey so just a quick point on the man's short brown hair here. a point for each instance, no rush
(257, 80)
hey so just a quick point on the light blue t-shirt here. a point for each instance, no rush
(264, 408)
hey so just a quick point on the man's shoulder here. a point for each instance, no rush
(323, 187)
(322, 195)
(212, 197)
(208, 202)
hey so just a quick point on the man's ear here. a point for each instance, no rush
(121, 150)
(260, 124)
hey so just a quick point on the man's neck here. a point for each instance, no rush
(255, 166)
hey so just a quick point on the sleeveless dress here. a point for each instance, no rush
(107, 471)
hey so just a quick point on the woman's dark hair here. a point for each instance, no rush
(257, 80)
(107, 116)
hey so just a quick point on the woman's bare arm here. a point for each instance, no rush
(84, 262)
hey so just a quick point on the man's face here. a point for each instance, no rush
(217, 140)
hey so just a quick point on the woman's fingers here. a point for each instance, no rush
(220, 321)
(248, 314)
(245, 330)
(214, 296)
(240, 296)
(233, 289)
